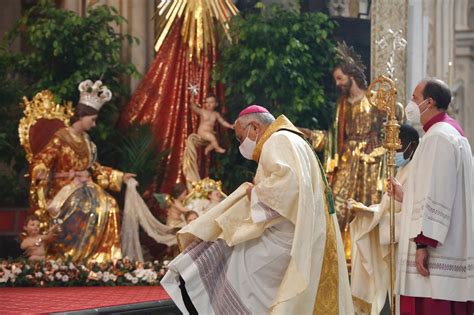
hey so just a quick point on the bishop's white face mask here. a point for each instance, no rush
(247, 147)
(412, 111)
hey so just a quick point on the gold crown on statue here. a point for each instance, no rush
(94, 94)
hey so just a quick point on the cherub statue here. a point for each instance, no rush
(34, 243)
(208, 117)
(215, 197)
(190, 216)
(176, 208)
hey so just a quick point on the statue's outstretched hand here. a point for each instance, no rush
(127, 176)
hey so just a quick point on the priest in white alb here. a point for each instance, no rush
(272, 247)
(436, 250)
(370, 235)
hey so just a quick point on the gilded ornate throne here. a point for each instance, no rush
(42, 118)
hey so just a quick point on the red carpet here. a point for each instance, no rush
(46, 300)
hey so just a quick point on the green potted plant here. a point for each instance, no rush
(280, 59)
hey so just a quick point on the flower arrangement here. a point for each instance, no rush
(58, 273)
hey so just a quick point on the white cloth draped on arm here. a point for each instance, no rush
(136, 214)
(370, 264)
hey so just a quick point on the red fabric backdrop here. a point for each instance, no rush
(163, 99)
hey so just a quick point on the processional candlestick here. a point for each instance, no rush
(382, 94)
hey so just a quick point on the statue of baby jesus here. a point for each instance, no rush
(208, 119)
(176, 208)
(215, 197)
(34, 243)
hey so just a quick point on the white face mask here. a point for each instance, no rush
(247, 147)
(412, 111)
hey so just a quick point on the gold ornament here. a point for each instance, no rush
(385, 99)
(202, 188)
(200, 21)
(42, 106)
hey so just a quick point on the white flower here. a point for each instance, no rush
(54, 266)
(106, 276)
(63, 267)
(140, 273)
(50, 278)
(128, 276)
(134, 280)
(38, 274)
(151, 277)
(58, 275)
(16, 270)
(165, 263)
(10, 275)
(27, 267)
(99, 275)
(65, 278)
(4, 279)
(71, 266)
(113, 277)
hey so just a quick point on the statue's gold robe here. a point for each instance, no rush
(89, 215)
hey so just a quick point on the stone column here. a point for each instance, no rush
(385, 15)
(440, 37)
(463, 85)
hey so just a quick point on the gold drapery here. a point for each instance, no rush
(190, 159)
(90, 228)
(353, 158)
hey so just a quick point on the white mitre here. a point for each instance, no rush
(95, 94)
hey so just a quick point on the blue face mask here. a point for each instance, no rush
(400, 161)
